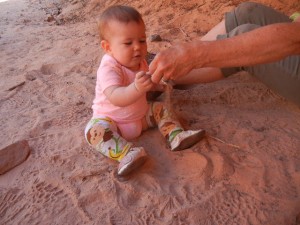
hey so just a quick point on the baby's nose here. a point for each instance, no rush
(137, 46)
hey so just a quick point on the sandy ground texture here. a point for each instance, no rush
(246, 171)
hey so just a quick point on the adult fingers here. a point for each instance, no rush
(153, 64)
(156, 76)
(154, 69)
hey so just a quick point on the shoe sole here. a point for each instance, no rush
(190, 141)
(133, 165)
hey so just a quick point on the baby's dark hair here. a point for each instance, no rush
(118, 13)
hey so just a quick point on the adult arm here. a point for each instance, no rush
(263, 45)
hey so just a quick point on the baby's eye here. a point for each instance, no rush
(142, 41)
(127, 43)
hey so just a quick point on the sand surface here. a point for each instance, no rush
(246, 171)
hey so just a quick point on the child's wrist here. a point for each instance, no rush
(136, 88)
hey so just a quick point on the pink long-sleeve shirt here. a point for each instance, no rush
(111, 73)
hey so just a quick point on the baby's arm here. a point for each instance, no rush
(124, 96)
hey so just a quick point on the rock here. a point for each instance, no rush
(50, 18)
(30, 77)
(155, 37)
(149, 57)
(13, 155)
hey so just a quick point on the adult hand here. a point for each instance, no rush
(171, 63)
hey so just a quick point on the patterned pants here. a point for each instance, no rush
(103, 133)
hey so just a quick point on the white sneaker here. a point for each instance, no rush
(132, 160)
(186, 139)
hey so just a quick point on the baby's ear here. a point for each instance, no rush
(105, 46)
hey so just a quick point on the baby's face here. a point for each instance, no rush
(127, 43)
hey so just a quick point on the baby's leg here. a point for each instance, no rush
(101, 133)
(170, 127)
(131, 130)
(158, 115)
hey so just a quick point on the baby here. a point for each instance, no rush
(120, 109)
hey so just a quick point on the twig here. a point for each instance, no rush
(17, 85)
(183, 32)
(219, 140)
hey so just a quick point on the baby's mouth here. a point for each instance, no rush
(137, 56)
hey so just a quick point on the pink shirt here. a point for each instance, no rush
(111, 73)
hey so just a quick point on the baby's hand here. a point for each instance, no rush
(142, 82)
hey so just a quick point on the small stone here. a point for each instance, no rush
(155, 37)
(13, 155)
(149, 57)
(50, 18)
(32, 75)
(29, 77)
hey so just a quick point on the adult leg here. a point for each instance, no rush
(203, 75)
(253, 13)
(246, 13)
(214, 32)
(198, 76)
(282, 76)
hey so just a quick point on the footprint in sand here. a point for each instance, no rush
(207, 166)
(8, 201)
(195, 162)
(269, 177)
(245, 93)
(43, 196)
(49, 69)
(239, 207)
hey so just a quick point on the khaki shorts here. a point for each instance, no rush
(282, 76)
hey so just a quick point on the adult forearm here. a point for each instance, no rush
(262, 45)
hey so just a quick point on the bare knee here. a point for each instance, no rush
(247, 8)
(246, 12)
